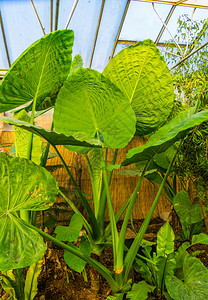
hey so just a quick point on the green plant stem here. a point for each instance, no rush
(44, 160)
(75, 209)
(94, 223)
(26, 214)
(133, 198)
(137, 241)
(95, 264)
(111, 214)
(102, 207)
(117, 217)
(95, 196)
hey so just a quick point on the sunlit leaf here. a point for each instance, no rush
(141, 73)
(40, 70)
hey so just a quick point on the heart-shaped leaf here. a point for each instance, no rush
(70, 233)
(165, 240)
(75, 262)
(23, 185)
(188, 212)
(90, 106)
(141, 73)
(40, 70)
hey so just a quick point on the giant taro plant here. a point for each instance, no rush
(92, 113)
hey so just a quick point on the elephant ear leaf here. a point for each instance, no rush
(141, 73)
(90, 106)
(23, 185)
(40, 70)
(166, 136)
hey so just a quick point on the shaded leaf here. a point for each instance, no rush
(74, 262)
(140, 291)
(201, 238)
(188, 212)
(166, 136)
(70, 233)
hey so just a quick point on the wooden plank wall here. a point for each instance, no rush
(121, 188)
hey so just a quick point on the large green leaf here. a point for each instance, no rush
(188, 212)
(23, 185)
(53, 138)
(141, 73)
(89, 105)
(39, 71)
(166, 136)
(22, 139)
(195, 285)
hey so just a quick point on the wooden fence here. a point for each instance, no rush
(121, 187)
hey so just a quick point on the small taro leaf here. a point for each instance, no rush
(163, 159)
(181, 254)
(142, 268)
(142, 75)
(74, 262)
(34, 74)
(154, 177)
(7, 281)
(200, 238)
(195, 285)
(89, 104)
(165, 240)
(76, 63)
(31, 282)
(70, 233)
(188, 212)
(166, 136)
(140, 291)
(52, 137)
(22, 138)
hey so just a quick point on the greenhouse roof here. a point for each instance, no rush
(101, 27)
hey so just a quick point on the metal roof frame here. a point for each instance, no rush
(174, 3)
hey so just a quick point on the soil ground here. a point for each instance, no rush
(58, 282)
